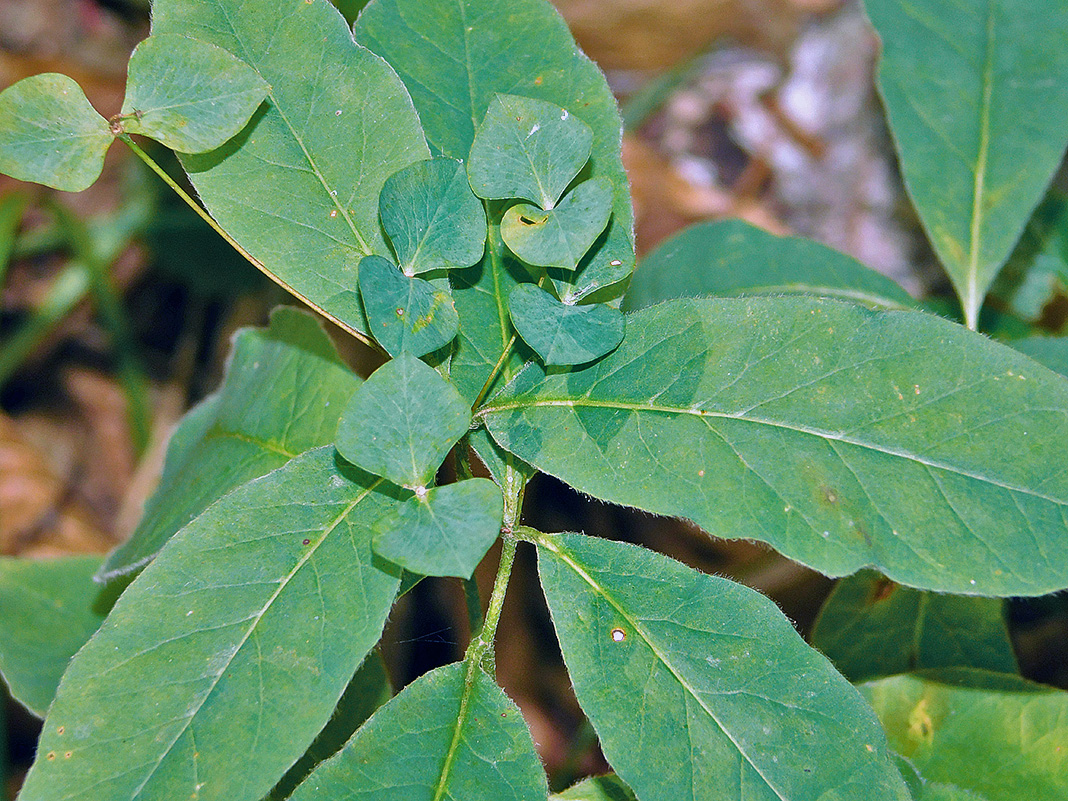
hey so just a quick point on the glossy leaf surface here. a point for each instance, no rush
(431, 217)
(50, 134)
(406, 314)
(1001, 737)
(49, 610)
(700, 688)
(842, 436)
(450, 735)
(527, 149)
(231, 648)
(977, 97)
(192, 96)
(456, 55)
(402, 422)
(561, 236)
(560, 333)
(871, 627)
(445, 533)
(731, 257)
(283, 392)
(299, 188)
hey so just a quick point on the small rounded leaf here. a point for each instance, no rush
(190, 95)
(527, 149)
(50, 134)
(559, 237)
(561, 333)
(406, 314)
(402, 421)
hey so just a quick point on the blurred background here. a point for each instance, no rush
(117, 305)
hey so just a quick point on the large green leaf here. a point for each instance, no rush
(451, 735)
(49, 611)
(596, 788)
(1050, 351)
(731, 257)
(402, 422)
(299, 188)
(284, 390)
(455, 56)
(700, 688)
(843, 436)
(998, 736)
(192, 96)
(977, 96)
(231, 649)
(871, 627)
(50, 134)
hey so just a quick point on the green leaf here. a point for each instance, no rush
(561, 333)
(527, 149)
(1049, 351)
(445, 532)
(455, 56)
(977, 96)
(450, 735)
(700, 688)
(231, 648)
(402, 422)
(12, 207)
(871, 627)
(192, 96)
(368, 690)
(406, 314)
(561, 236)
(50, 134)
(247, 428)
(731, 257)
(998, 736)
(49, 612)
(844, 437)
(597, 788)
(432, 218)
(502, 466)
(299, 187)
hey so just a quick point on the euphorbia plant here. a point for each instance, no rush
(445, 183)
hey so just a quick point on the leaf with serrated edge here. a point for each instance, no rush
(431, 217)
(844, 437)
(450, 735)
(50, 134)
(977, 97)
(871, 627)
(560, 333)
(561, 236)
(402, 422)
(444, 533)
(192, 96)
(231, 648)
(456, 55)
(298, 189)
(1001, 737)
(247, 428)
(406, 314)
(49, 612)
(696, 684)
(732, 257)
(527, 149)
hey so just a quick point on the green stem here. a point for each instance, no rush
(481, 648)
(493, 373)
(196, 207)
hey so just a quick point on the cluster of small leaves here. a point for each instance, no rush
(448, 182)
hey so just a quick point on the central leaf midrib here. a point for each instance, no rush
(255, 620)
(978, 186)
(520, 405)
(646, 638)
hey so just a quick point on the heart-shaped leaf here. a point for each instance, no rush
(527, 149)
(561, 236)
(560, 333)
(406, 314)
(190, 95)
(444, 532)
(50, 134)
(432, 218)
(402, 421)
